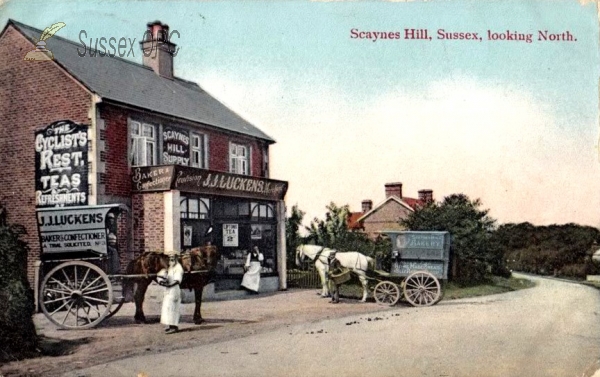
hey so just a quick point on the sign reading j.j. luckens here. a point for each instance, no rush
(61, 165)
(71, 229)
(187, 179)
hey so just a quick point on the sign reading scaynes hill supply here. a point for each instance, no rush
(187, 179)
(61, 165)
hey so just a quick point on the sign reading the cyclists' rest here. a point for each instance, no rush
(74, 229)
(61, 165)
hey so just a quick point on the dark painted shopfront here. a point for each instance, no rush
(240, 211)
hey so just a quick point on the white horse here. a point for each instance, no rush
(353, 260)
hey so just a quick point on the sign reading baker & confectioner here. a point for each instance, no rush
(61, 165)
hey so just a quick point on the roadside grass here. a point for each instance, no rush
(494, 286)
(594, 284)
(451, 291)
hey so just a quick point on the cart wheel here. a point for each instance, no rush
(76, 295)
(422, 289)
(118, 298)
(387, 293)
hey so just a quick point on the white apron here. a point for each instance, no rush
(171, 304)
(251, 279)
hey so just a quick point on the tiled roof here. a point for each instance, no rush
(353, 224)
(123, 81)
(412, 202)
(388, 199)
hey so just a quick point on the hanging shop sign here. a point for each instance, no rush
(194, 180)
(76, 229)
(61, 165)
(176, 146)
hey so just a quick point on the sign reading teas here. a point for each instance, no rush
(75, 229)
(61, 165)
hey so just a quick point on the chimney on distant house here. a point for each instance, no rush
(367, 205)
(157, 50)
(394, 188)
(426, 195)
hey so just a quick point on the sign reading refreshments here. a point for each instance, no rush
(188, 179)
(74, 229)
(61, 165)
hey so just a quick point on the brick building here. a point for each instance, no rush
(387, 214)
(81, 131)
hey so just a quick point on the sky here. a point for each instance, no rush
(512, 123)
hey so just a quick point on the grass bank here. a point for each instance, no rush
(452, 291)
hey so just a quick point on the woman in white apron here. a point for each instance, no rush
(251, 279)
(170, 278)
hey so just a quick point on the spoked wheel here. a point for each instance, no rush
(76, 295)
(422, 289)
(118, 298)
(387, 293)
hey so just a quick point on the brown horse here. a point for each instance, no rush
(203, 258)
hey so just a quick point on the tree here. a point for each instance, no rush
(333, 232)
(292, 233)
(17, 331)
(473, 252)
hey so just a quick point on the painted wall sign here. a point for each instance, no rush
(230, 235)
(420, 250)
(176, 146)
(152, 178)
(194, 180)
(75, 229)
(61, 165)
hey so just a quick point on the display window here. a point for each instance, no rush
(238, 225)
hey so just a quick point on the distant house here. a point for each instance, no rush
(387, 214)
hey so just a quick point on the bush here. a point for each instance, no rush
(17, 331)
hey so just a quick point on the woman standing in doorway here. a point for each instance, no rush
(251, 279)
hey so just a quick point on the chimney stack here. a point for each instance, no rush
(367, 205)
(426, 195)
(394, 188)
(157, 50)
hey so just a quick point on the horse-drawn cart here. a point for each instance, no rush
(78, 248)
(419, 260)
(81, 285)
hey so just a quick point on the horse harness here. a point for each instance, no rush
(328, 259)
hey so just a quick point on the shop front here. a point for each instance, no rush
(232, 212)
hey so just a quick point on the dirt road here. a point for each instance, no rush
(550, 330)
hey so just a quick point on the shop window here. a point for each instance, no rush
(143, 144)
(239, 162)
(262, 211)
(198, 151)
(231, 208)
(194, 208)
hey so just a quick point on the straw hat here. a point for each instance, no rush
(172, 252)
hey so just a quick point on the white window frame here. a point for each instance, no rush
(143, 143)
(198, 155)
(239, 159)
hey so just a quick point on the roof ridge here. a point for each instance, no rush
(20, 24)
(194, 102)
